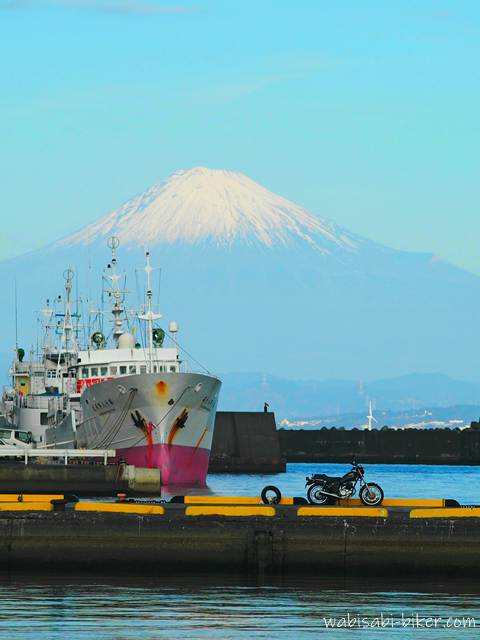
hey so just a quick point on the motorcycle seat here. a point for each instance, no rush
(322, 476)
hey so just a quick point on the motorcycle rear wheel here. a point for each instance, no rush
(314, 495)
(371, 494)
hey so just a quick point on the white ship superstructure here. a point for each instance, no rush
(42, 384)
(131, 396)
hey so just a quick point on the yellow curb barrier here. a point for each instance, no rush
(115, 507)
(340, 512)
(398, 502)
(19, 497)
(219, 510)
(466, 512)
(230, 500)
(26, 506)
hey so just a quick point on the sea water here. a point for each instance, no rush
(197, 608)
(212, 607)
(397, 481)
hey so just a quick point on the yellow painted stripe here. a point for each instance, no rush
(26, 506)
(229, 511)
(115, 507)
(230, 500)
(340, 512)
(18, 497)
(467, 512)
(398, 502)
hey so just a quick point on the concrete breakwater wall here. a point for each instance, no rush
(156, 540)
(245, 442)
(249, 442)
(383, 446)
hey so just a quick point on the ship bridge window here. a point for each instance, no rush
(132, 368)
(123, 370)
(172, 369)
(113, 371)
(103, 371)
(84, 372)
(94, 372)
(143, 368)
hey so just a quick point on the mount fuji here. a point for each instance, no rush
(258, 283)
(218, 208)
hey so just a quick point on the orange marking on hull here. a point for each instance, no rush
(198, 443)
(172, 434)
(201, 438)
(178, 424)
(161, 387)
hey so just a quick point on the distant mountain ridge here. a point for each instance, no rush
(257, 283)
(304, 400)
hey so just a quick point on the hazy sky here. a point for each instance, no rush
(363, 111)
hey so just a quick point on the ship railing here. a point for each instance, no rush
(21, 367)
(67, 454)
(32, 402)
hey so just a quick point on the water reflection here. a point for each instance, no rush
(209, 607)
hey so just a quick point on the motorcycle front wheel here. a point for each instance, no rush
(315, 495)
(371, 494)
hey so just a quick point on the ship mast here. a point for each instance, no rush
(149, 316)
(115, 291)
(47, 314)
(68, 343)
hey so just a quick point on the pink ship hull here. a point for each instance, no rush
(179, 465)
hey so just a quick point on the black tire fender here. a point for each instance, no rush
(275, 499)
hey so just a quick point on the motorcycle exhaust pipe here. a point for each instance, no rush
(333, 495)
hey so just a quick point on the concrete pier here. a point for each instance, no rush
(79, 479)
(246, 442)
(156, 539)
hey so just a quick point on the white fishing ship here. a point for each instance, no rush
(132, 395)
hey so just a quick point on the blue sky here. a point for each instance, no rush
(363, 111)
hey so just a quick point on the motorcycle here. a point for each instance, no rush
(323, 489)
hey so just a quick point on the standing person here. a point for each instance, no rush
(265, 407)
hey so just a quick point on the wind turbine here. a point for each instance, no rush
(370, 417)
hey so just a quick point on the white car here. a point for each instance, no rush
(16, 438)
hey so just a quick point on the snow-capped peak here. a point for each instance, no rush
(206, 205)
